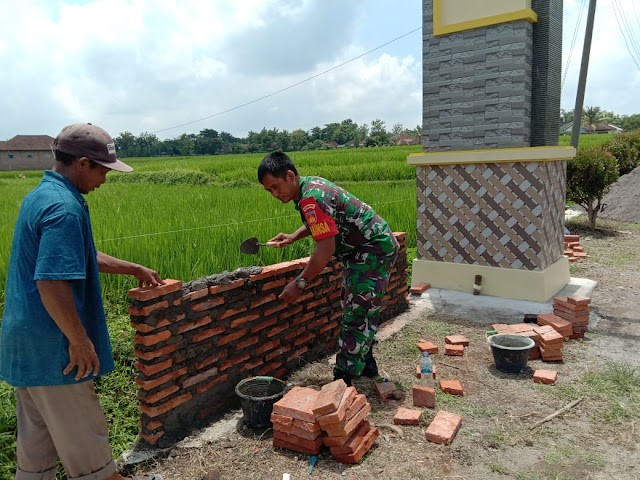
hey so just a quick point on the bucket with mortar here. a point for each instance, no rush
(510, 352)
(257, 396)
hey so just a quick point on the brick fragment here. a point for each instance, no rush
(336, 431)
(550, 338)
(354, 441)
(149, 292)
(407, 416)
(444, 427)
(384, 390)
(454, 350)
(344, 440)
(423, 396)
(310, 447)
(547, 377)
(451, 386)
(189, 297)
(365, 446)
(419, 288)
(329, 398)
(426, 346)
(151, 439)
(457, 340)
(339, 414)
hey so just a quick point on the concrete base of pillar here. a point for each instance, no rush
(533, 285)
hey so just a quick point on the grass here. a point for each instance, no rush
(591, 140)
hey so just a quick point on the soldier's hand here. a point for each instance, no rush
(290, 293)
(282, 240)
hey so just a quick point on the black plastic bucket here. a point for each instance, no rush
(257, 396)
(510, 352)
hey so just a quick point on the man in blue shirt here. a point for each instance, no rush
(54, 339)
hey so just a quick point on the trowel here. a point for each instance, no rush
(252, 245)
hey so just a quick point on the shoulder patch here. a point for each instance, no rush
(320, 224)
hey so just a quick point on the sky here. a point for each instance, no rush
(155, 65)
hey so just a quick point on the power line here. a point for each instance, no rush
(625, 23)
(290, 86)
(624, 36)
(573, 43)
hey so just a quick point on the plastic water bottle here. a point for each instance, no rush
(426, 370)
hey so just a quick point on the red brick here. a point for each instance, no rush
(189, 297)
(454, 350)
(571, 238)
(444, 427)
(277, 330)
(419, 288)
(290, 313)
(145, 328)
(547, 377)
(353, 442)
(451, 386)
(211, 359)
(263, 300)
(297, 432)
(336, 430)
(275, 308)
(459, 340)
(230, 312)
(318, 322)
(164, 408)
(551, 338)
(193, 325)
(151, 384)
(159, 395)
(283, 421)
(534, 353)
(385, 389)
(301, 445)
(521, 328)
(278, 352)
(190, 381)
(423, 396)
(329, 327)
(339, 414)
(407, 416)
(561, 325)
(304, 339)
(425, 346)
(564, 302)
(578, 300)
(215, 289)
(304, 318)
(274, 284)
(234, 361)
(263, 325)
(298, 403)
(149, 340)
(579, 254)
(208, 333)
(329, 398)
(267, 346)
(294, 333)
(335, 295)
(543, 329)
(269, 368)
(278, 268)
(202, 306)
(147, 293)
(153, 425)
(150, 370)
(550, 355)
(247, 343)
(365, 446)
(231, 337)
(576, 336)
(213, 383)
(573, 313)
(151, 439)
(363, 428)
(146, 311)
(156, 353)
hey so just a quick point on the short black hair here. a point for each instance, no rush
(275, 164)
(68, 158)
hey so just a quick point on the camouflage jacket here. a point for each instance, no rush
(328, 210)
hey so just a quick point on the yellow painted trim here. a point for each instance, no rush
(439, 29)
(493, 155)
(533, 285)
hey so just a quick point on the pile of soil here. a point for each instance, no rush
(623, 200)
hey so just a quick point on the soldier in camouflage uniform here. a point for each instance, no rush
(344, 226)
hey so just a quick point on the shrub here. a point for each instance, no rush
(589, 177)
(624, 148)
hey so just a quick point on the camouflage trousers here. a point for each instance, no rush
(365, 280)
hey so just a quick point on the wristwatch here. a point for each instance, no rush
(301, 283)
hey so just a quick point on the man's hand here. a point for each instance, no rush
(146, 276)
(82, 354)
(282, 240)
(290, 293)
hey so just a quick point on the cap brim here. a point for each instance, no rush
(117, 165)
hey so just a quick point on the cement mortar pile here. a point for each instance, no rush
(623, 200)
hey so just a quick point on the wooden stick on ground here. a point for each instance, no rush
(556, 413)
(449, 365)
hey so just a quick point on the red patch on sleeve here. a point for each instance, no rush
(320, 224)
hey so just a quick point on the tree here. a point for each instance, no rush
(126, 145)
(589, 177)
(298, 139)
(630, 122)
(592, 115)
(397, 128)
(377, 126)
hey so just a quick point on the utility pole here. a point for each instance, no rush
(582, 80)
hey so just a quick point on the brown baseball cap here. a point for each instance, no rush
(91, 141)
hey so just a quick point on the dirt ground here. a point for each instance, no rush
(597, 439)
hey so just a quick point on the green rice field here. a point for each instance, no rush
(186, 216)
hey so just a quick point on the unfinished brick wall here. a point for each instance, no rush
(193, 347)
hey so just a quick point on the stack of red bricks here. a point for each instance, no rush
(573, 249)
(551, 343)
(574, 309)
(337, 410)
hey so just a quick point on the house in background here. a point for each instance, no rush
(404, 139)
(585, 128)
(26, 152)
